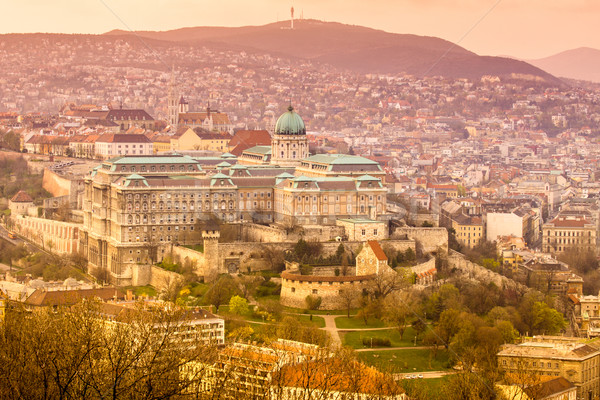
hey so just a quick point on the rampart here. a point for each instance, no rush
(53, 236)
(431, 239)
(477, 272)
(296, 287)
(246, 256)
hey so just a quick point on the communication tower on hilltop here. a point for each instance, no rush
(292, 20)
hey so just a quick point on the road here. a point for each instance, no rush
(19, 241)
(426, 375)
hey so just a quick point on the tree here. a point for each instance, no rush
(313, 302)
(74, 353)
(238, 305)
(348, 299)
(248, 284)
(274, 257)
(221, 291)
(396, 309)
(367, 308)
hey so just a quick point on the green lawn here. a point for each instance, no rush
(319, 321)
(432, 387)
(405, 361)
(142, 290)
(316, 320)
(355, 339)
(196, 247)
(293, 310)
(357, 323)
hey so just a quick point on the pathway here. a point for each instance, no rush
(426, 375)
(332, 329)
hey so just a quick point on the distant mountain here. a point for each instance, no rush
(358, 49)
(582, 64)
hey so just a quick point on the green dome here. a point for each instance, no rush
(290, 123)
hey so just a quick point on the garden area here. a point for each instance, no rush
(407, 361)
(380, 338)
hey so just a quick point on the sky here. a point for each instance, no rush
(526, 29)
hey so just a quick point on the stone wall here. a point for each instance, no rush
(262, 233)
(249, 232)
(61, 186)
(429, 238)
(475, 271)
(295, 288)
(54, 236)
(162, 279)
(245, 255)
(56, 184)
(184, 254)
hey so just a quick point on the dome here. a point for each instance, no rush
(290, 123)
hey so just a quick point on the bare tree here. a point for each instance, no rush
(349, 299)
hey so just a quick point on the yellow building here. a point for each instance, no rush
(469, 230)
(187, 138)
(569, 233)
(555, 356)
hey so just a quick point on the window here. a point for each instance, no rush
(315, 291)
(364, 232)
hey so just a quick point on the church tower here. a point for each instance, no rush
(289, 144)
(172, 103)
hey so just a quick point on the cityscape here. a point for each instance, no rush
(307, 208)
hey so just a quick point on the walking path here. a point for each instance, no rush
(332, 330)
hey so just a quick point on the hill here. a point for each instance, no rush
(357, 49)
(582, 64)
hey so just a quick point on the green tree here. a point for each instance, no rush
(238, 305)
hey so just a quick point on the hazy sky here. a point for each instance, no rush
(522, 28)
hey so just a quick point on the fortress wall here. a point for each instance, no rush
(430, 238)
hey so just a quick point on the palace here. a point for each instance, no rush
(135, 205)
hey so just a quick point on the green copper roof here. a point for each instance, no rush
(239, 166)
(340, 159)
(285, 175)
(264, 150)
(135, 176)
(152, 160)
(219, 176)
(227, 155)
(290, 123)
(367, 178)
(224, 164)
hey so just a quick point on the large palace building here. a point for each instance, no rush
(135, 204)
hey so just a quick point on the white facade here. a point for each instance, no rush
(111, 149)
(503, 224)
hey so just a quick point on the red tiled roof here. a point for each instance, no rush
(377, 250)
(122, 138)
(67, 297)
(21, 197)
(245, 139)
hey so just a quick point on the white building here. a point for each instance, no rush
(115, 144)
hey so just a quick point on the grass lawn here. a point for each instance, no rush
(305, 319)
(196, 247)
(142, 290)
(357, 323)
(269, 297)
(431, 386)
(319, 321)
(293, 310)
(405, 361)
(355, 339)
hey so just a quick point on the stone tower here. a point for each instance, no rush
(212, 262)
(172, 103)
(289, 144)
